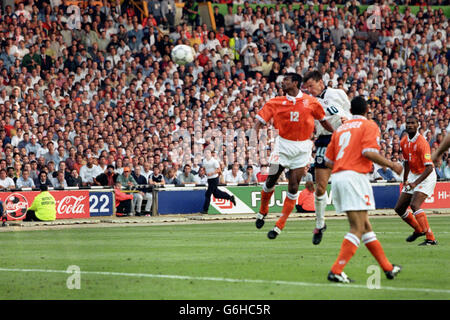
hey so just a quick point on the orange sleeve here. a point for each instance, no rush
(425, 152)
(371, 137)
(403, 148)
(330, 154)
(266, 113)
(317, 110)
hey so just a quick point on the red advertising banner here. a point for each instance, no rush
(440, 198)
(71, 204)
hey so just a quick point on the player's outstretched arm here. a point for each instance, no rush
(326, 125)
(444, 146)
(382, 161)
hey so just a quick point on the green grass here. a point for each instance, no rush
(198, 252)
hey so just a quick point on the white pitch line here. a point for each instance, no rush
(256, 281)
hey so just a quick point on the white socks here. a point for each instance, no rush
(321, 204)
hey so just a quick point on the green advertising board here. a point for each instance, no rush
(248, 200)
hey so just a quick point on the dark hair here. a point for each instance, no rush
(412, 117)
(295, 77)
(315, 75)
(43, 187)
(358, 105)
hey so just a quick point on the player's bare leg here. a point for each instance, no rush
(360, 230)
(268, 188)
(322, 175)
(295, 176)
(416, 202)
(401, 208)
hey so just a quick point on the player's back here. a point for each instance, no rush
(350, 141)
(417, 152)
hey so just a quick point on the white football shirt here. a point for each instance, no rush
(336, 104)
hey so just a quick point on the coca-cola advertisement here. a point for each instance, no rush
(71, 204)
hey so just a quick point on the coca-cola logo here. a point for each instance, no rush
(16, 206)
(71, 205)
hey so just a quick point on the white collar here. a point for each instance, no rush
(293, 99)
(357, 116)
(414, 138)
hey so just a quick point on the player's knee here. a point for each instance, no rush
(270, 182)
(415, 207)
(400, 209)
(293, 188)
(320, 190)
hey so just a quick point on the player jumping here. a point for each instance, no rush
(336, 106)
(293, 116)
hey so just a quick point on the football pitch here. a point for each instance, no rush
(218, 261)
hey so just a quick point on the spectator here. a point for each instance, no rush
(107, 178)
(263, 173)
(446, 170)
(51, 155)
(146, 191)
(201, 177)
(127, 181)
(89, 171)
(308, 176)
(60, 181)
(305, 202)
(190, 12)
(249, 176)
(74, 180)
(384, 173)
(6, 183)
(157, 178)
(123, 201)
(219, 18)
(186, 176)
(25, 180)
(42, 180)
(234, 175)
(169, 178)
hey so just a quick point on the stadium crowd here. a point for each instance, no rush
(101, 96)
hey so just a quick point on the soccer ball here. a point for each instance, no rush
(182, 54)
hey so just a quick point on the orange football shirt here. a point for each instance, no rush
(350, 141)
(417, 152)
(294, 121)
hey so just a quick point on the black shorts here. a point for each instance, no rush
(321, 144)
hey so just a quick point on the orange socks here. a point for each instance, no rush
(348, 249)
(265, 199)
(288, 206)
(375, 248)
(421, 218)
(351, 244)
(408, 217)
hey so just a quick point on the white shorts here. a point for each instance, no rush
(426, 186)
(352, 191)
(291, 154)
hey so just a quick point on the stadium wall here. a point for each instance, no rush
(190, 199)
(79, 203)
(70, 203)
